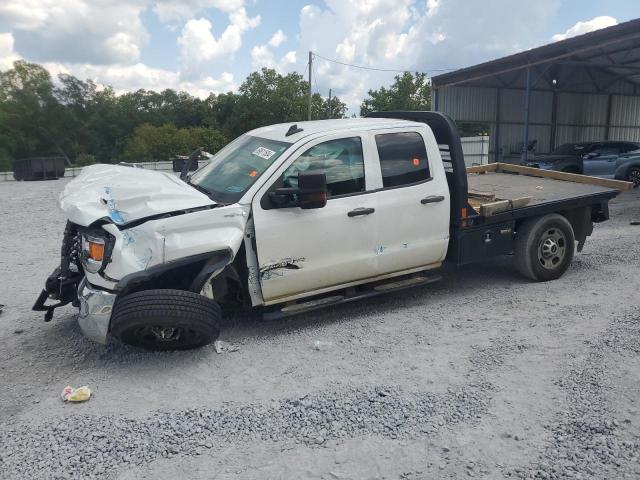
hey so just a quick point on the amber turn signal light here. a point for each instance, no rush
(96, 251)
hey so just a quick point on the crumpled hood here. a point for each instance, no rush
(125, 194)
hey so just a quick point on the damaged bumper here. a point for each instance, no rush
(95, 312)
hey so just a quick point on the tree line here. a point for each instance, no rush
(86, 123)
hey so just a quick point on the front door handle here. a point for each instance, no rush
(432, 199)
(361, 211)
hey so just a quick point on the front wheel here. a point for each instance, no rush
(634, 176)
(166, 320)
(544, 247)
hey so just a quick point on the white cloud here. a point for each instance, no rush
(432, 7)
(175, 11)
(418, 35)
(124, 78)
(240, 19)
(109, 31)
(581, 28)
(199, 48)
(290, 57)
(7, 53)
(25, 14)
(262, 56)
(278, 39)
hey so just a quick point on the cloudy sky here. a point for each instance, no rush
(211, 45)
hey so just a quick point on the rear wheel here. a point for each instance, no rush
(634, 176)
(166, 320)
(544, 247)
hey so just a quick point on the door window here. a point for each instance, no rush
(403, 158)
(607, 149)
(341, 160)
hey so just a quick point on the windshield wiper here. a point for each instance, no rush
(199, 188)
(207, 192)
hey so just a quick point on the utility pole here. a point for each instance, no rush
(310, 70)
(329, 103)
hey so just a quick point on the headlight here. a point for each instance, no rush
(92, 252)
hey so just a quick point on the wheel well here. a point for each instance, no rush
(580, 220)
(188, 274)
(230, 287)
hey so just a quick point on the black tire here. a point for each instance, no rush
(634, 176)
(571, 170)
(166, 320)
(544, 247)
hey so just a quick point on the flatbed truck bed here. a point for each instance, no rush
(505, 186)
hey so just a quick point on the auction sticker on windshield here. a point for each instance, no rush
(263, 153)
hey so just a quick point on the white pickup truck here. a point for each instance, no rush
(290, 218)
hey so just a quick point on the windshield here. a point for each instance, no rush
(569, 149)
(237, 166)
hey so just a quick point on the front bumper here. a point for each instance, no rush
(95, 312)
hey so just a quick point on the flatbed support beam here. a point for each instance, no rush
(538, 172)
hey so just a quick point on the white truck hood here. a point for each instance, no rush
(125, 194)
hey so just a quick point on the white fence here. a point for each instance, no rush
(476, 150)
(75, 171)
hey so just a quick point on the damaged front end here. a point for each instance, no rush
(67, 283)
(121, 238)
(62, 284)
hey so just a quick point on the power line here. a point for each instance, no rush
(380, 69)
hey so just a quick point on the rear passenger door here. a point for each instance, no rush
(413, 201)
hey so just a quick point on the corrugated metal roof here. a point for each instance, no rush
(604, 60)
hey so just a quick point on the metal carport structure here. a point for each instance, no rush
(585, 88)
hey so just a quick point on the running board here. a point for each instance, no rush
(295, 308)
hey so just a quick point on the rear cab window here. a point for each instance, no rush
(403, 159)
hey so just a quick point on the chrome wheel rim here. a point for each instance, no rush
(552, 248)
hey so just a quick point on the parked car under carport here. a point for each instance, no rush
(611, 159)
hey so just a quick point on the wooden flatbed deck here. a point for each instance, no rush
(497, 187)
(506, 186)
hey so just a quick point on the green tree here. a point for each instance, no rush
(151, 143)
(408, 92)
(34, 122)
(267, 97)
(320, 107)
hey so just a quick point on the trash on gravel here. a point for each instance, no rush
(18, 331)
(224, 347)
(81, 394)
(1, 307)
(633, 222)
(320, 346)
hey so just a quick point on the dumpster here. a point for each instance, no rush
(39, 168)
(179, 162)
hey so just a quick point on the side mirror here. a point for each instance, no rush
(311, 192)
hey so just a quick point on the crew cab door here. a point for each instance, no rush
(601, 160)
(301, 251)
(413, 201)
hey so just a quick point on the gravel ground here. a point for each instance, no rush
(481, 375)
